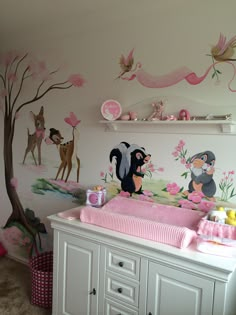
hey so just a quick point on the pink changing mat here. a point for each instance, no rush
(161, 223)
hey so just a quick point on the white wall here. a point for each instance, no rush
(180, 34)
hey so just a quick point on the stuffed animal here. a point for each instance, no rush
(158, 108)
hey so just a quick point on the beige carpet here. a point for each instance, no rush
(15, 289)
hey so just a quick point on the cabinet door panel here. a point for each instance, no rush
(174, 292)
(78, 270)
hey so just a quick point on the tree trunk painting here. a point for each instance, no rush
(15, 70)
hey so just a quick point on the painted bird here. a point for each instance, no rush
(126, 64)
(224, 50)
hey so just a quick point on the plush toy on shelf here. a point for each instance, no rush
(158, 109)
(184, 115)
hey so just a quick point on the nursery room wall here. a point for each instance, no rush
(171, 44)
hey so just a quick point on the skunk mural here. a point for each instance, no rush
(129, 160)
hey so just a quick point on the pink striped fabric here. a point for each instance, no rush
(177, 236)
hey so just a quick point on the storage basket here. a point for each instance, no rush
(41, 279)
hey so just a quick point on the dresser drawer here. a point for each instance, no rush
(123, 263)
(122, 289)
(112, 308)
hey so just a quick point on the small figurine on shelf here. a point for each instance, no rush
(158, 109)
(184, 115)
(129, 116)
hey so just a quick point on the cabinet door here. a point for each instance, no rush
(174, 292)
(78, 261)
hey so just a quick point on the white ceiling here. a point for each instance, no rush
(31, 17)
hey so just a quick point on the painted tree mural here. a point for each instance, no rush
(17, 71)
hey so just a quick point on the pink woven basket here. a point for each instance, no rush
(42, 279)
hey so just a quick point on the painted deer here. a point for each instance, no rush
(36, 138)
(67, 149)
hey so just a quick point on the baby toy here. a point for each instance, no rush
(158, 109)
(96, 197)
(231, 217)
(218, 215)
(129, 159)
(184, 115)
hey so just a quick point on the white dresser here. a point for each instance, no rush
(99, 271)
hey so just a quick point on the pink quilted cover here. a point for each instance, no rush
(152, 221)
(221, 230)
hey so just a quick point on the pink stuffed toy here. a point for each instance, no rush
(158, 108)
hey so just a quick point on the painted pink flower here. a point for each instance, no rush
(148, 193)
(17, 115)
(12, 77)
(175, 154)
(15, 236)
(188, 165)
(145, 198)
(124, 194)
(110, 169)
(183, 161)
(76, 80)
(187, 204)
(181, 143)
(160, 169)
(102, 174)
(14, 182)
(172, 188)
(72, 120)
(3, 93)
(178, 148)
(8, 57)
(206, 205)
(195, 196)
(151, 167)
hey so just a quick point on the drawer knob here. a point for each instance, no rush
(93, 292)
(121, 264)
(119, 290)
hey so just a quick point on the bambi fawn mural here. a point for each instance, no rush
(35, 139)
(16, 70)
(66, 150)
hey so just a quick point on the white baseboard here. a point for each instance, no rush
(18, 259)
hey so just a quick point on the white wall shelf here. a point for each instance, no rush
(215, 127)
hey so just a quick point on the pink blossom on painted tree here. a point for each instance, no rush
(76, 80)
(14, 182)
(72, 120)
